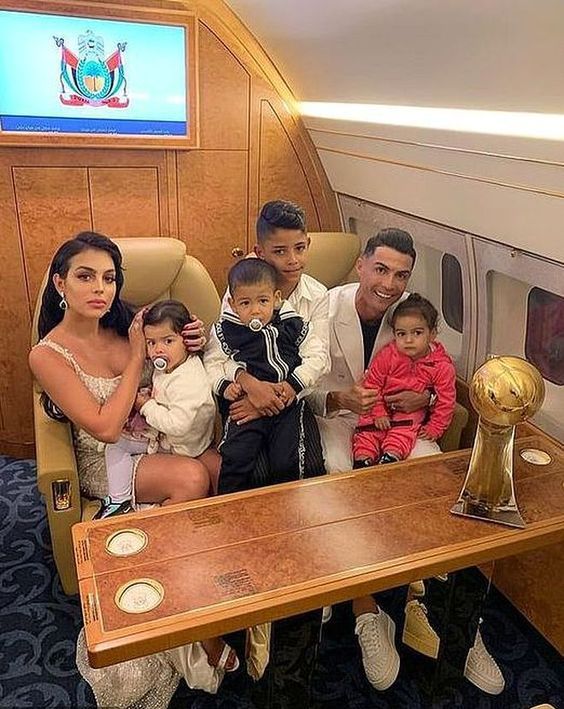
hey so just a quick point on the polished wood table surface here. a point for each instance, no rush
(226, 563)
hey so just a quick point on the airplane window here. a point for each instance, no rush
(544, 344)
(451, 292)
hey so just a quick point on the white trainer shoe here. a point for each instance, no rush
(482, 670)
(379, 655)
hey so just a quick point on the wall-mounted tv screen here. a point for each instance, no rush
(92, 76)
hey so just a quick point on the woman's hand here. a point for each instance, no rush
(194, 336)
(137, 337)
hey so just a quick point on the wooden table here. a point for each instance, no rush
(229, 562)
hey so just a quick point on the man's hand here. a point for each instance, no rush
(264, 396)
(233, 392)
(288, 393)
(407, 401)
(358, 399)
(425, 435)
(194, 336)
(382, 423)
(242, 411)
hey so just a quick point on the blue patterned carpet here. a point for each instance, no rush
(39, 625)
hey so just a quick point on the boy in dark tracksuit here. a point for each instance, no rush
(264, 339)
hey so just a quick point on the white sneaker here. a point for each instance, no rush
(482, 670)
(379, 655)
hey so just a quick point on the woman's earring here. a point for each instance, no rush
(63, 305)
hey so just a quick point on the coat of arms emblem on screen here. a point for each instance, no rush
(89, 78)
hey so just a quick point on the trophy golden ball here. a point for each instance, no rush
(506, 390)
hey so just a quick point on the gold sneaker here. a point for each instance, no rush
(416, 588)
(258, 649)
(417, 631)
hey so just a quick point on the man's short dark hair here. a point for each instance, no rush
(396, 239)
(250, 271)
(279, 215)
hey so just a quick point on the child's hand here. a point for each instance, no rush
(425, 435)
(233, 392)
(286, 393)
(143, 396)
(382, 423)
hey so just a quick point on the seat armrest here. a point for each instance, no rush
(57, 480)
(450, 440)
(54, 450)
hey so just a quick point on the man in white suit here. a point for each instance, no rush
(358, 328)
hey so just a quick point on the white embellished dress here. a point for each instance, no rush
(146, 682)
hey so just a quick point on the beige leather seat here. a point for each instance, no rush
(155, 268)
(332, 255)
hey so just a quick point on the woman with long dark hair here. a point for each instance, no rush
(89, 362)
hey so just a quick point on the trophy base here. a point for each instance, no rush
(509, 515)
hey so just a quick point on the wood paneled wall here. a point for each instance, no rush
(253, 147)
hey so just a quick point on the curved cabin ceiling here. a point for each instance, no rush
(449, 110)
(494, 54)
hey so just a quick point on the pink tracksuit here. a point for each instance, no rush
(391, 372)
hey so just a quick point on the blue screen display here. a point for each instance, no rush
(81, 75)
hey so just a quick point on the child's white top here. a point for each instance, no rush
(182, 408)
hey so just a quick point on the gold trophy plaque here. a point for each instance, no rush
(504, 391)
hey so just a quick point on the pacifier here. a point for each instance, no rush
(255, 325)
(160, 363)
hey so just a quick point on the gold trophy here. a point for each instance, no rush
(504, 391)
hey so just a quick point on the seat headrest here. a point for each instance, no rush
(158, 268)
(332, 254)
(150, 265)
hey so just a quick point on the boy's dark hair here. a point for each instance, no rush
(171, 310)
(416, 304)
(396, 239)
(249, 271)
(279, 214)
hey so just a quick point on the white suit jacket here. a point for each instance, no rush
(347, 368)
(346, 347)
